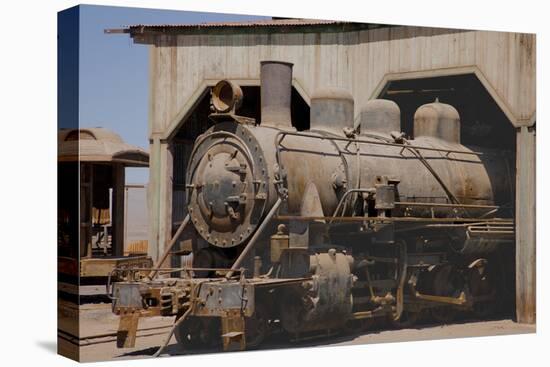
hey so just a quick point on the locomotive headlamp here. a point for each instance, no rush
(227, 97)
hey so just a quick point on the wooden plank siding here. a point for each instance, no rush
(356, 60)
(526, 226)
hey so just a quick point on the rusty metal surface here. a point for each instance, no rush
(216, 299)
(278, 243)
(228, 185)
(226, 97)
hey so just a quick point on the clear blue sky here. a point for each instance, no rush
(114, 71)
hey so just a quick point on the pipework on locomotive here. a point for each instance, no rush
(312, 232)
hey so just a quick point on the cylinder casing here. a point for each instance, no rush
(328, 303)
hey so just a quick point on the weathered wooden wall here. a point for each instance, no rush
(357, 61)
(181, 66)
(526, 226)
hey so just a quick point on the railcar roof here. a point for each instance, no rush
(98, 145)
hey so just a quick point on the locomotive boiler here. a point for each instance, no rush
(312, 232)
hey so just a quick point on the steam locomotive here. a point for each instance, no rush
(311, 232)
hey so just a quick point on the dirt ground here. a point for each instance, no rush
(99, 325)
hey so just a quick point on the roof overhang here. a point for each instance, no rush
(143, 33)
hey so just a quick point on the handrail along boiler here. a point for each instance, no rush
(308, 232)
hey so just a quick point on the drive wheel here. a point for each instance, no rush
(198, 332)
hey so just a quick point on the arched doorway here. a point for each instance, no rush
(483, 124)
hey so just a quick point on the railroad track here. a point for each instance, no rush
(109, 337)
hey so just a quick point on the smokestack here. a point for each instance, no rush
(276, 88)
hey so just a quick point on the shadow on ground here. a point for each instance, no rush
(280, 341)
(47, 345)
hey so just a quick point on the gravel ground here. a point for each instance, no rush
(98, 320)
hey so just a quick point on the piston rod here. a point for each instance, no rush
(252, 241)
(169, 248)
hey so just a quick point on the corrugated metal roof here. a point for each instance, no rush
(256, 23)
(138, 31)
